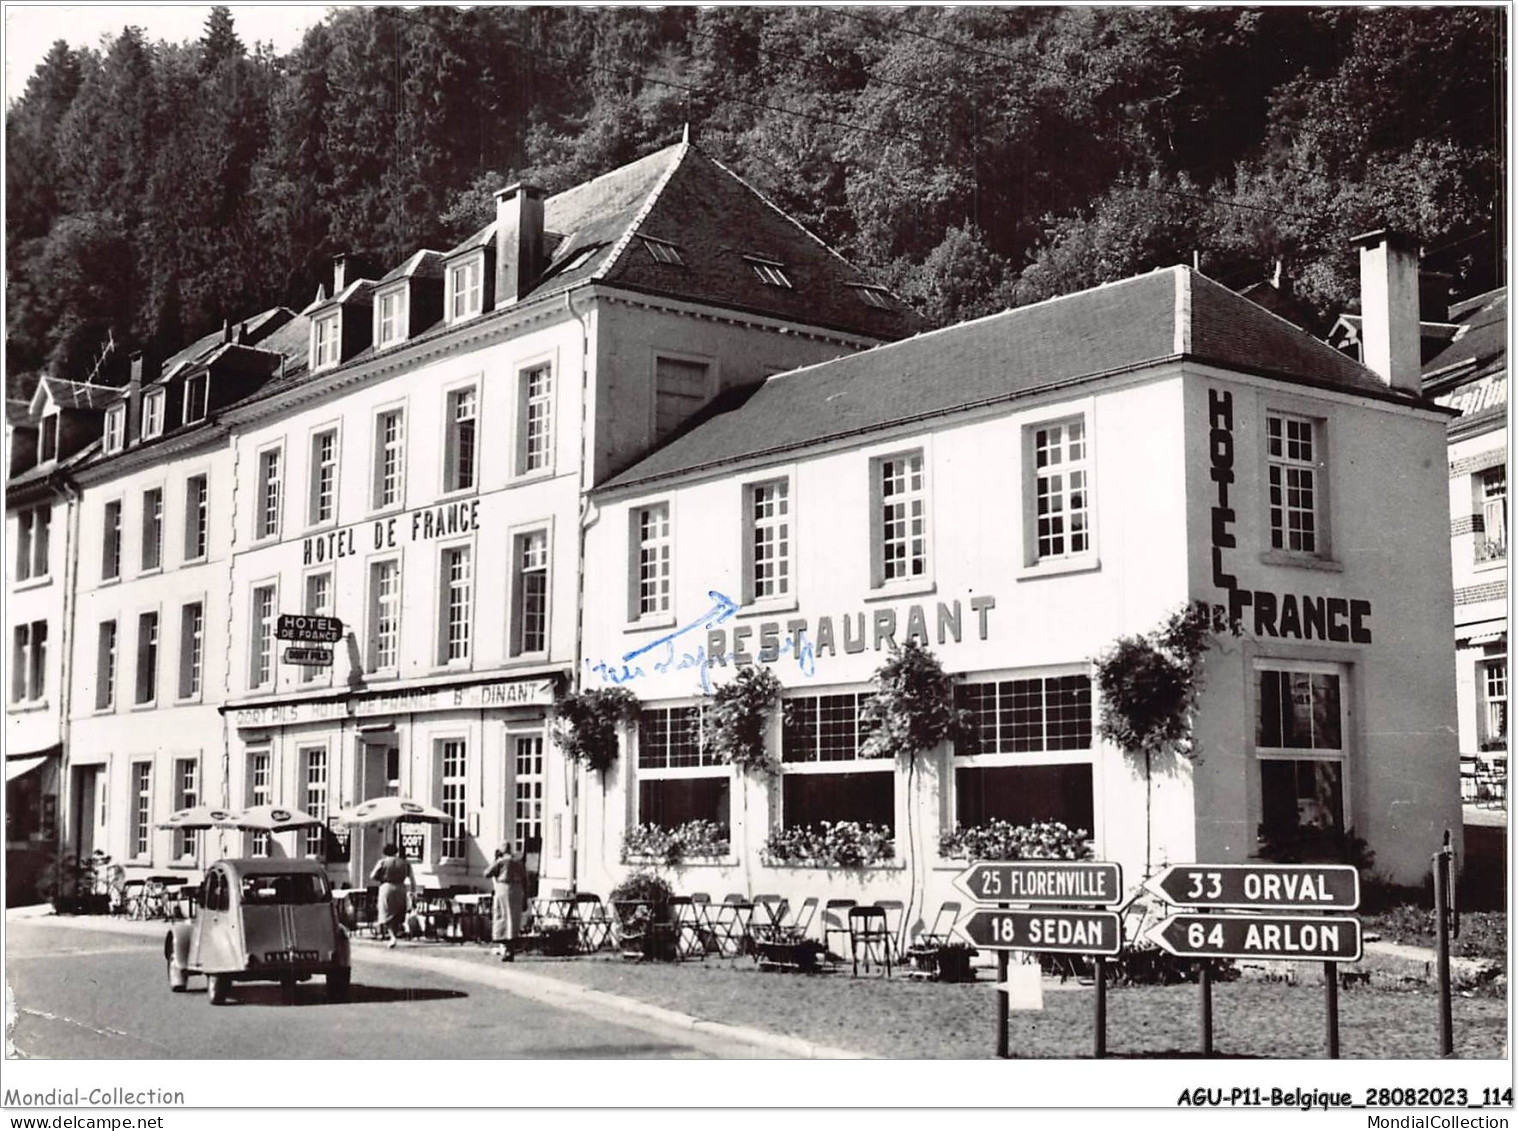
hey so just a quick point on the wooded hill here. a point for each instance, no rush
(973, 158)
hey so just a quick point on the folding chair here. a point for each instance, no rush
(595, 923)
(730, 924)
(801, 919)
(835, 921)
(895, 913)
(688, 940)
(769, 912)
(868, 932)
(701, 906)
(132, 901)
(942, 931)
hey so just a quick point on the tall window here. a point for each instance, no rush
(314, 762)
(826, 774)
(1299, 741)
(195, 397)
(1494, 702)
(110, 553)
(261, 639)
(147, 658)
(142, 808)
(323, 501)
(318, 603)
(197, 517)
(535, 410)
(326, 341)
(1028, 756)
(260, 784)
(680, 777)
(455, 590)
(391, 318)
(47, 438)
(152, 528)
(389, 457)
(105, 666)
(680, 388)
(529, 605)
(270, 488)
(152, 414)
(527, 788)
(451, 754)
(115, 428)
(32, 529)
(901, 505)
(192, 645)
(465, 288)
(384, 614)
(651, 566)
(769, 539)
(1292, 462)
(186, 795)
(1491, 486)
(29, 662)
(1062, 480)
(458, 446)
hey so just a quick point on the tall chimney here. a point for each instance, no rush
(339, 272)
(1389, 308)
(518, 241)
(134, 400)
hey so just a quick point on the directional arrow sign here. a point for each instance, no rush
(1260, 887)
(1303, 938)
(1042, 881)
(1062, 932)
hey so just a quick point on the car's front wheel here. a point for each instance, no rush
(337, 983)
(219, 984)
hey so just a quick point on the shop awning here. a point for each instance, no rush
(16, 767)
(1487, 638)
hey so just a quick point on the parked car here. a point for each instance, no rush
(261, 920)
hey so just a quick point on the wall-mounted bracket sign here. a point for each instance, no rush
(311, 629)
(1300, 938)
(309, 657)
(1052, 931)
(1043, 881)
(1259, 887)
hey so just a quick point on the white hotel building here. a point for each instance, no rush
(1016, 493)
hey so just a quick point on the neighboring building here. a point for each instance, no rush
(151, 577)
(1470, 374)
(58, 429)
(1017, 493)
(423, 478)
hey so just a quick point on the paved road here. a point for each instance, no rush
(98, 995)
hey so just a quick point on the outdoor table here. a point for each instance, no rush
(730, 925)
(435, 910)
(768, 913)
(554, 910)
(471, 912)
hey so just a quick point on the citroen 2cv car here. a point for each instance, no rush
(261, 920)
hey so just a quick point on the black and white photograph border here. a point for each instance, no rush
(679, 536)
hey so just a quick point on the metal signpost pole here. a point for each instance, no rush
(1441, 936)
(1003, 1007)
(1206, 983)
(1100, 965)
(1331, 1000)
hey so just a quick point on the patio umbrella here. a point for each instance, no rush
(199, 817)
(275, 819)
(379, 809)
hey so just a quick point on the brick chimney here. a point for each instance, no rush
(134, 400)
(518, 241)
(1389, 333)
(339, 272)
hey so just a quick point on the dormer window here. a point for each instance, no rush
(152, 414)
(873, 296)
(115, 428)
(663, 252)
(466, 289)
(325, 339)
(195, 390)
(47, 438)
(390, 318)
(770, 271)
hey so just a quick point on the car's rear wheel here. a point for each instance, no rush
(337, 983)
(219, 985)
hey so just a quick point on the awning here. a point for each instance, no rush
(1488, 638)
(16, 767)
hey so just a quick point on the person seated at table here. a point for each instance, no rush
(508, 874)
(393, 874)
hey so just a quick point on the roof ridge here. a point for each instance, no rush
(626, 238)
(827, 247)
(1183, 309)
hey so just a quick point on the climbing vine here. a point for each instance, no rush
(587, 724)
(738, 716)
(913, 708)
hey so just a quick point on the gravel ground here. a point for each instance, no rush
(905, 1019)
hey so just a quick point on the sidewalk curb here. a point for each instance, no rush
(537, 987)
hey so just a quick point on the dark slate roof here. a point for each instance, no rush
(1138, 322)
(51, 468)
(18, 413)
(423, 264)
(77, 394)
(1481, 340)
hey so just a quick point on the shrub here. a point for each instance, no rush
(1002, 840)
(1298, 845)
(587, 724)
(840, 844)
(738, 716)
(912, 709)
(645, 887)
(671, 846)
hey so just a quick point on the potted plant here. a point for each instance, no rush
(70, 885)
(645, 929)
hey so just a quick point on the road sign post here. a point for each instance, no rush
(1049, 930)
(1077, 882)
(1003, 1007)
(1331, 1003)
(1100, 965)
(1301, 938)
(1205, 981)
(1259, 887)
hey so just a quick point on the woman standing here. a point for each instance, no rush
(393, 874)
(509, 873)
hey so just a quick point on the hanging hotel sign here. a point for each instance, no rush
(1043, 881)
(474, 697)
(422, 525)
(309, 657)
(1286, 615)
(311, 629)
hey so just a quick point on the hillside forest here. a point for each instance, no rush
(971, 158)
